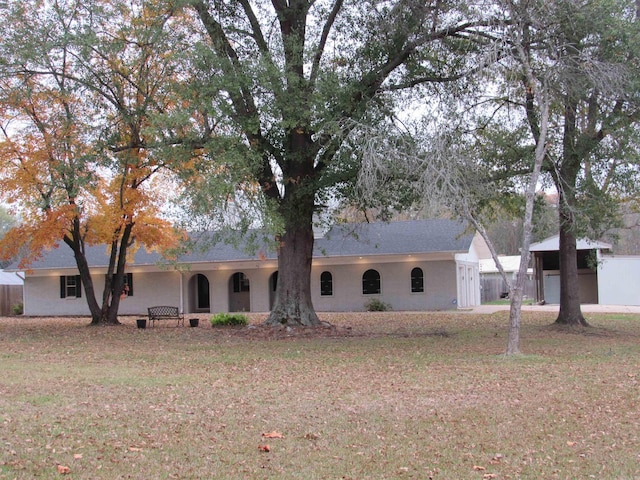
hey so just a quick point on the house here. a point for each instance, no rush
(493, 286)
(591, 274)
(411, 265)
(10, 291)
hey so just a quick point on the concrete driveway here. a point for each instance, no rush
(586, 308)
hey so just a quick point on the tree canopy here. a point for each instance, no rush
(81, 87)
(295, 81)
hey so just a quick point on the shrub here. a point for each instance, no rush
(18, 309)
(220, 319)
(377, 305)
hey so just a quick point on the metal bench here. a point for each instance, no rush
(165, 312)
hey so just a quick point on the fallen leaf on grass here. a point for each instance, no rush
(273, 434)
(77, 456)
(571, 444)
(264, 448)
(478, 468)
(63, 470)
(135, 449)
(489, 476)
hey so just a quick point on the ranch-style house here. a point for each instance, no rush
(411, 265)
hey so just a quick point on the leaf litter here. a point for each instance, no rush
(417, 395)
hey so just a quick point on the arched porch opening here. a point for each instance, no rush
(199, 294)
(239, 293)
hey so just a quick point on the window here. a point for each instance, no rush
(70, 286)
(326, 284)
(417, 280)
(240, 282)
(370, 282)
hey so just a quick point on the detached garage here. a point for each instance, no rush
(604, 279)
(619, 280)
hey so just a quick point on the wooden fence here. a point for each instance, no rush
(493, 288)
(10, 295)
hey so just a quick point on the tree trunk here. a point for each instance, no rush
(293, 305)
(89, 290)
(570, 311)
(107, 314)
(74, 242)
(515, 320)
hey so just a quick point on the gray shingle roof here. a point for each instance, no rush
(415, 236)
(405, 237)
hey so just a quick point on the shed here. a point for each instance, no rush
(546, 266)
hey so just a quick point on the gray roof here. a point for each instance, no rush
(552, 244)
(362, 239)
(415, 236)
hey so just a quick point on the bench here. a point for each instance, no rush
(165, 312)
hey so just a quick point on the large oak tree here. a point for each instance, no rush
(295, 78)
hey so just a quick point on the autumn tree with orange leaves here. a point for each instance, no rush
(82, 89)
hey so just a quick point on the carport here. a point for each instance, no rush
(546, 269)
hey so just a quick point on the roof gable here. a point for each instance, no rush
(552, 244)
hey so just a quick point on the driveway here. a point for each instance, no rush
(586, 308)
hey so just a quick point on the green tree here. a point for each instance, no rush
(7, 221)
(296, 79)
(563, 95)
(594, 46)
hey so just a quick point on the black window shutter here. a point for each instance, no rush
(63, 286)
(78, 286)
(130, 283)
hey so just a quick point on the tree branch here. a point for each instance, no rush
(326, 29)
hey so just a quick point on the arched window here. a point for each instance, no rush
(326, 284)
(417, 280)
(370, 282)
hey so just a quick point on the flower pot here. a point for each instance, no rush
(193, 322)
(141, 322)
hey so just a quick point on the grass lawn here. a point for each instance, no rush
(380, 396)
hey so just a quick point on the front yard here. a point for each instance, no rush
(381, 395)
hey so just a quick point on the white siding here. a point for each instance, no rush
(587, 284)
(441, 288)
(395, 278)
(42, 294)
(619, 280)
